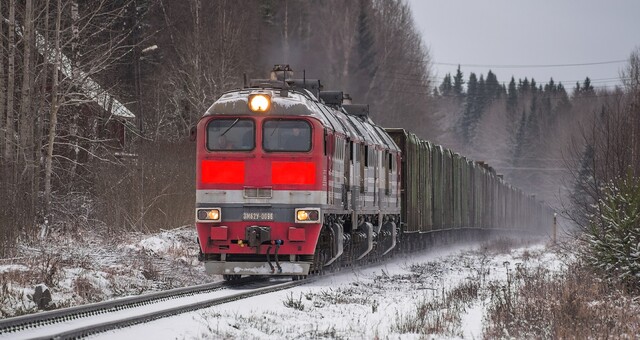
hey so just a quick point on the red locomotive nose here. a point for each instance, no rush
(257, 177)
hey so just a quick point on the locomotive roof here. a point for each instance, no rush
(301, 102)
(236, 103)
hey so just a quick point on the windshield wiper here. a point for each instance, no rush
(277, 127)
(229, 128)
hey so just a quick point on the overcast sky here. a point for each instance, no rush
(535, 32)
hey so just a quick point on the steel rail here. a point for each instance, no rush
(143, 318)
(17, 324)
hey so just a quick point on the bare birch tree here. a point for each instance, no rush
(3, 121)
(27, 155)
(631, 81)
(25, 146)
(75, 55)
(11, 51)
(41, 110)
(53, 120)
(207, 55)
(400, 86)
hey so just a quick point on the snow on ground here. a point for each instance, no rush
(436, 294)
(90, 269)
(429, 295)
(13, 268)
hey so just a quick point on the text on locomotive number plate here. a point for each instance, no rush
(257, 216)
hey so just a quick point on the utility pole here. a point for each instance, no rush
(555, 227)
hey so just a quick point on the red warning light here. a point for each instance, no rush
(293, 173)
(222, 172)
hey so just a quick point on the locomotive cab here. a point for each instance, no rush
(291, 180)
(259, 186)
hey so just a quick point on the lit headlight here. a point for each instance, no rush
(259, 102)
(307, 215)
(208, 215)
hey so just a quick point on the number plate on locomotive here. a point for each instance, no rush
(257, 216)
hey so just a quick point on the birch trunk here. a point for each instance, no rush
(41, 112)
(25, 121)
(52, 124)
(73, 129)
(3, 89)
(9, 151)
(25, 146)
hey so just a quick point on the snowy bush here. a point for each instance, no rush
(613, 237)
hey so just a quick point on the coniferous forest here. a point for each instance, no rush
(97, 99)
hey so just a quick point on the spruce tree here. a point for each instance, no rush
(492, 86)
(587, 88)
(458, 82)
(524, 86)
(482, 99)
(446, 88)
(533, 126)
(470, 109)
(520, 138)
(512, 97)
(613, 236)
(564, 102)
(365, 43)
(582, 193)
(551, 86)
(533, 85)
(546, 107)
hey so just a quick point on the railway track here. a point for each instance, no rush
(100, 317)
(90, 319)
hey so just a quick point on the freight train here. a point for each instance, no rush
(291, 179)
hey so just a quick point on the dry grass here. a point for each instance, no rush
(576, 304)
(504, 245)
(44, 267)
(12, 304)
(83, 287)
(365, 296)
(291, 302)
(89, 268)
(440, 314)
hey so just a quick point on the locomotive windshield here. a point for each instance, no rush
(233, 134)
(286, 135)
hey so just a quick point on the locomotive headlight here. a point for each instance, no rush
(307, 215)
(302, 215)
(208, 215)
(259, 102)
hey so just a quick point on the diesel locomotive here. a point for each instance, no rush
(291, 179)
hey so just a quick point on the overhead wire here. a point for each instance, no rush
(418, 78)
(613, 80)
(409, 76)
(533, 65)
(444, 63)
(428, 83)
(599, 84)
(430, 93)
